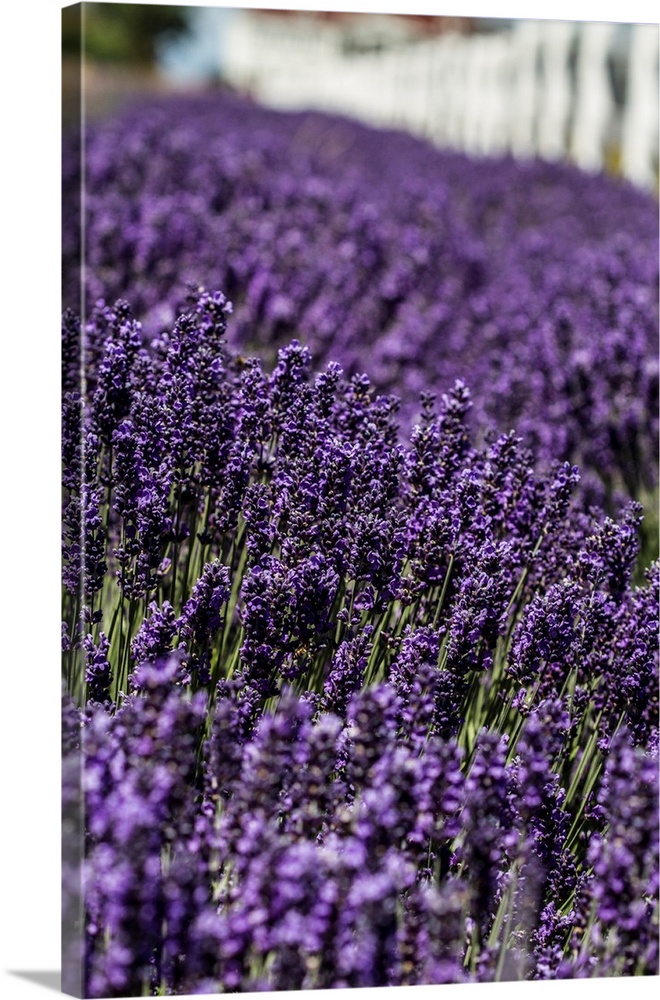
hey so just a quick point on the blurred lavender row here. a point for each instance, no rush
(535, 283)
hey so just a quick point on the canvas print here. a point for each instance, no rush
(360, 487)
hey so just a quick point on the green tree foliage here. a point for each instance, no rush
(120, 32)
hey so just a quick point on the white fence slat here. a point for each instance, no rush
(555, 93)
(496, 90)
(439, 70)
(593, 107)
(639, 138)
(526, 39)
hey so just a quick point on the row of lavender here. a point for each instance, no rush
(355, 710)
(534, 283)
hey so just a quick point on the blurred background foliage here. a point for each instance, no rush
(121, 32)
(116, 46)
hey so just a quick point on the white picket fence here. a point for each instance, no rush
(536, 88)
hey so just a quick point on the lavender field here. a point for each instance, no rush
(360, 613)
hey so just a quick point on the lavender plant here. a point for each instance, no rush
(351, 710)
